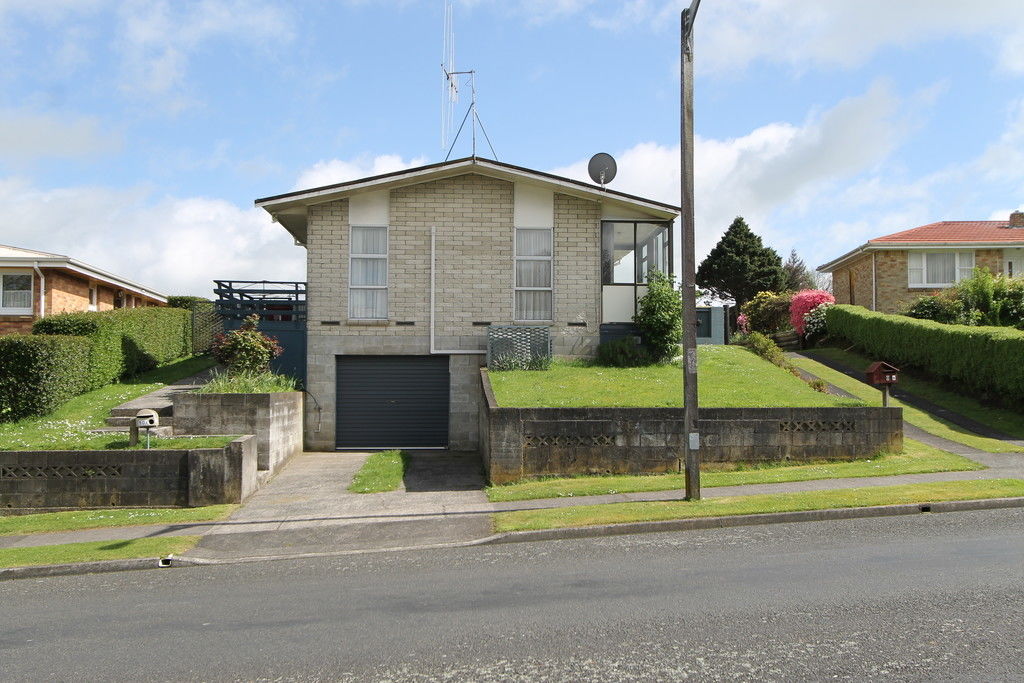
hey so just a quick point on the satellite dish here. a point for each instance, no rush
(602, 168)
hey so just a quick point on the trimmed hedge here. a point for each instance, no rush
(987, 361)
(126, 341)
(38, 373)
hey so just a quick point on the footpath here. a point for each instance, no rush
(306, 510)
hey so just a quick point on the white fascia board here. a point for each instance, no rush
(910, 246)
(83, 269)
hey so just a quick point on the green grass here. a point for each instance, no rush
(1008, 421)
(918, 418)
(621, 513)
(67, 427)
(729, 376)
(95, 551)
(916, 458)
(248, 383)
(381, 472)
(97, 519)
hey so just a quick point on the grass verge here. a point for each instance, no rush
(76, 520)
(918, 418)
(95, 551)
(381, 472)
(1004, 420)
(67, 427)
(916, 458)
(622, 513)
(730, 376)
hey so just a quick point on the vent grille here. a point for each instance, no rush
(518, 347)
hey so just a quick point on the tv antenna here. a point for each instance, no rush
(602, 168)
(450, 92)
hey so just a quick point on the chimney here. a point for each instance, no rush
(1017, 219)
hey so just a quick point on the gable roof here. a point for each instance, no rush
(948, 234)
(28, 258)
(289, 209)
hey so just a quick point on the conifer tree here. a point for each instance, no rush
(740, 266)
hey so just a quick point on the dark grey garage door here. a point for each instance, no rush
(392, 402)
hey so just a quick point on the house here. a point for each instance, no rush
(34, 284)
(406, 272)
(888, 273)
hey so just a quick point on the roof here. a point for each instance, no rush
(16, 256)
(289, 209)
(978, 234)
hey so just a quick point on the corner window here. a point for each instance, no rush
(630, 250)
(368, 273)
(938, 268)
(16, 293)
(533, 291)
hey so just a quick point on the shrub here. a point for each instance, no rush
(126, 341)
(659, 317)
(768, 312)
(623, 353)
(743, 324)
(815, 326)
(802, 304)
(765, 347)
(519, 361)
(982, 299)
(985, 361)
(191, 303)
(248, 383)
(942, 308)
(246, 350)
(38, 373)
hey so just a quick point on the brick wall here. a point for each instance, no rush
(851, 284)
(66, 293)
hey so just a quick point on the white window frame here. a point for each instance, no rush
(516, 258)
(387, 269)
(958, 267)
(31, 296)
(94, 297)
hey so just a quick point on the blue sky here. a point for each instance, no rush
(135, 135)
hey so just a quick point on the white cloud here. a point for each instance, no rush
(174, 245)
(333, 171)
(27, 135)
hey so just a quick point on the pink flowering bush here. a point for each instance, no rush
(803, 303)
(743, 323)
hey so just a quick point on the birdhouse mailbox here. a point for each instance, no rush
(146, 418)
(881, 372)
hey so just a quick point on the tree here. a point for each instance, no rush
(659, 317)
(740, 266)
(797, 275)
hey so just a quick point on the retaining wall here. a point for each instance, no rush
(39, 480)
(519, 443)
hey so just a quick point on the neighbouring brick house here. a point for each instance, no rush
(407, 270)
(888, 273)
(34, 284)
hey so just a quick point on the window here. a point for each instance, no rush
(938, 268)
(92, 298)
(631, 250)
(533, 293)
(368, 273)
(16, 293)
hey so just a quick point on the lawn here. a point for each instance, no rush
(67, 427)
(918, 418)
(1004, 420)
(77, 520)
(381, 472)
(729, 376)
(916, 458)
(621, 513)
(95, 551)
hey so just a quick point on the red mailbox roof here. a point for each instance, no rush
(882, 366)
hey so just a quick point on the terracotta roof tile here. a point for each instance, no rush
(957, 231)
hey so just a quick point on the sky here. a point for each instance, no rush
(135, 135)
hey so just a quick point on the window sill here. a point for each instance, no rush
(931, 286)
(16, 311)
(360, 322)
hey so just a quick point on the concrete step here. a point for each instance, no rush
(124, 421)
(162, 407)
(163, 431)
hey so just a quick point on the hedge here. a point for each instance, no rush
(987, 361)
(126, 341)
(38, 373)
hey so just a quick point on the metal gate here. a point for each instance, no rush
(392, 402)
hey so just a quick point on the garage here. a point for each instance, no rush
(392, 402)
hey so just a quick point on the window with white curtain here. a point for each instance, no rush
(533, 292)
(938, 268)
(368, 273)
(16, 292)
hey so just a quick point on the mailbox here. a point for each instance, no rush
(881, 372)
(146, 418)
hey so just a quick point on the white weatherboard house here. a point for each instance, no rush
(407, 270)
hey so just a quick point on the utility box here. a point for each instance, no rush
(881, 372)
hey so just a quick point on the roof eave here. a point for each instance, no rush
(84, 269)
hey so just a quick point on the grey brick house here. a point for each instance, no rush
(406, 270)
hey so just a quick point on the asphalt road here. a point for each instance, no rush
(928, 597)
